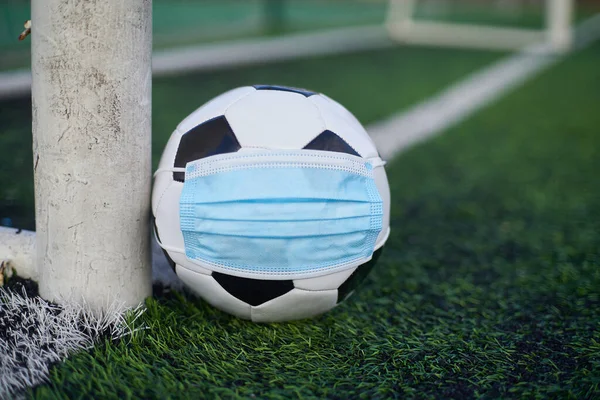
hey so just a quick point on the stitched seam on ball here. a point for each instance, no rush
(326, 127)
(163, 195)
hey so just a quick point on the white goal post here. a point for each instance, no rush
(402, 27)
(91, 99)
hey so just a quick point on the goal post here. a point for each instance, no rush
(559, 15)
(403, 27)
(91, 105)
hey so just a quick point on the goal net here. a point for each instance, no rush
(486, 24)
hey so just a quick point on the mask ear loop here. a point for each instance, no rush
(156, 236)
(162, 246)
(154, 233)
(172, 169)
(376, 162)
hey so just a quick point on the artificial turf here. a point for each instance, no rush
(489, 285)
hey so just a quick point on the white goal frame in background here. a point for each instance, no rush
(557, 32)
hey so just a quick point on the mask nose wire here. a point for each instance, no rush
(374, 161)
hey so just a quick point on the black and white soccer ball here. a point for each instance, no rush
(266, 117)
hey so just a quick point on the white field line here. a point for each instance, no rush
(15, 83)
(478, 90)
(238, 53)
(34, 334)
(256, 51)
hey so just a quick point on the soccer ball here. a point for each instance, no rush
(273, 118)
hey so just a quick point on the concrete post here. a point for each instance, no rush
(91, 90)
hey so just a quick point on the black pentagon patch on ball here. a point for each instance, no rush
(303, 92)
(253, 291)
(169, 259)
(329, 141)
(210, 138)
(358, 276)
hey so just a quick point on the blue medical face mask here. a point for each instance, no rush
(272, 214)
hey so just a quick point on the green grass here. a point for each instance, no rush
(371, 84)
(489, 286)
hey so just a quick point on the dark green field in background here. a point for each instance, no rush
(489, 284)
(188, 22)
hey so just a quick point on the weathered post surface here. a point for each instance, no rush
(91, 92)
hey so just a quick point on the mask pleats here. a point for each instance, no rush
(279, 218)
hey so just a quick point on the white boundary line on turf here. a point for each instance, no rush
(15, 83)
(59, 331)
(238, 53)
(263, 50)
(462, 99)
